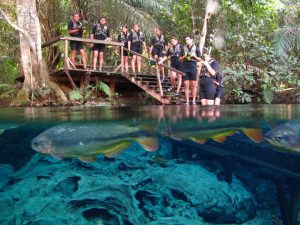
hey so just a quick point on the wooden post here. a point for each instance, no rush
(66, 64)
(112, 85)
(122, 60)
(159, 85)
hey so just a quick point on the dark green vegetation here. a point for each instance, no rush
(256, 41)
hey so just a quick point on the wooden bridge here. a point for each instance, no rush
(148, 80)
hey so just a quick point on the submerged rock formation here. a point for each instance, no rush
(127, 191)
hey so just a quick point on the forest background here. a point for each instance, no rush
(257, 42)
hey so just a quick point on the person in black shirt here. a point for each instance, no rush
(157, 48)
(209, 69)
(174, 52)
(123, 37)
(136, 43)
(100, 32)
(190, 56)
(75, 29)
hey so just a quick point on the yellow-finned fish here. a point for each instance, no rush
(201, 135)
(87, 140)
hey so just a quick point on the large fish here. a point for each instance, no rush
(286, 136)
(201, 135)
(86, 141)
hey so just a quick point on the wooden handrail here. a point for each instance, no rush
(165, 66)
(86, 40)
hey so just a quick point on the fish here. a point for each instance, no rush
(201, 136)
(87, 140)
(285, 136)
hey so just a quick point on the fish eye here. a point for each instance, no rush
(278, 138)
(35, 143)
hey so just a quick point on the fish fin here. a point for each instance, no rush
(176, 138)
(56, 156)
(87, 159)
(150, 144)
(219, 139)
(255, 134)
(199, 141)
(116, 150)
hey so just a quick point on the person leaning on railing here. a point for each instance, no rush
(75, 29)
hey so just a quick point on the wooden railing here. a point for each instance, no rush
(68, 64)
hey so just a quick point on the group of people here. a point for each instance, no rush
(190, 65)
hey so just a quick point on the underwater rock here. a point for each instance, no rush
(5, 173)
(133, 191)
(214, 201)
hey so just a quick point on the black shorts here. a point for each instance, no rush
(99, 47)
(137, 50)
(190, 74)
(158, 52)
(207, 88)
(219, 92)
(176, 64)
(76, 45)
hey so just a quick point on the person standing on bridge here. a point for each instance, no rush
(136, 43)
(174, 52)
(123, 38)
(100, 32)
(190, 57)
(156, 50)
(75, 29)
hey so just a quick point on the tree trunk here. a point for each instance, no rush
(211, 6)
(35, 72)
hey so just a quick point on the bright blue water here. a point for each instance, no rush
(197, 166)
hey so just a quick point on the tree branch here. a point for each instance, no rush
(17, 28)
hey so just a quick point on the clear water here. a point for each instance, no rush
(158, 165)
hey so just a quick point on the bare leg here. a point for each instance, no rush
(73, 55)
(194, 89)
(173, 77)
(203, 101)
(100, 60)
(133, 63)
(126, 63)
(187, 90)
(139, 63)
(210, 102)
(95, 60)
(179, 82)
(217, 101)
(83, 58)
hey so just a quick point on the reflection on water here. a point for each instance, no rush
(153, 165)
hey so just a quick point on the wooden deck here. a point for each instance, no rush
(147, 81)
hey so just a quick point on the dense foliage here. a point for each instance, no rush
(257, 42)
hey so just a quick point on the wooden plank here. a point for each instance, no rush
(51, 41)
(88, 40)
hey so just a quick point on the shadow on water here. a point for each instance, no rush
(212, 165)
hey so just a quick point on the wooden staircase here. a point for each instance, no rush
(149, 83)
